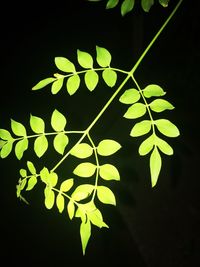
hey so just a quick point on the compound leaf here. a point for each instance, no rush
(43, 83)
(110, 77)
(85, 169)
(155, 165)
(71, 209)
(31, 183)
(91, 79)
(135, 111)
(64, 64)
(103, 57)
(112, 4)
(40, 145)
(20, 147)
(109, 172)
(108, 147)
(147, 145)
(60, 202)
(82, 150)
(146, 4)
(85, 233)
(66, 185)
(5, 135)
(105, 195)
(60, 142)
(141, 128)
(84, 59)
(153, 90)
(167, 128)
(18, 128)
(159, 105)
(73, 84)
(58, 121)
(57, 85)
(49, 197)
(6, 149)
(37, 124)
(130, 96)
(127, 6)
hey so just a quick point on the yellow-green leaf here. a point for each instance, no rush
(84, 59)
(40, 145)
(64, 64)
(49, 197)
(141, 128)
(85, 169)
(43, 83)
(135, 111)
(31, 183)
(6, 149)
(73, 84)
(58, 121)
(20, 147)
(71, 209)
(130, 96)
(60, 142)
(155, 166)
(66, 185)
(18, 128)
(85, 233)
(103, 56)
(110, 77)
(60, 202)
(167, 128)
(57, 85)
(105, 195)
(91, 79)
(82, 151)
(108, 147)
(37, 124)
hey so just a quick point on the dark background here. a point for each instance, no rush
(148, 227)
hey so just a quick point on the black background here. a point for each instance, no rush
(149, 227)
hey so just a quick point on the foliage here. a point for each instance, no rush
(81, 199)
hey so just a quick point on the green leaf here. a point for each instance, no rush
(147, 145)
(127, 6)
(49, 197)
(103, 57)
(110, 77)
(112, 4)
(82, 192)
(52, 179)
(108, 147)
(18, 128)
(66, 185)
(71, 209)
(40, 145)
(164, 146)
(130, 96)
(37, 124)
(73, 84)
(31, 183)
(85, 233)
(164, 3)
(159, 105)
(82, 150)
(141, 128)
(135, 111)
(91, 79)
(57, 85)
(153, 90)
(6, 149)
(146, 4)
(64, 64)
(43, 83)
(85, 169)
(84, 59)
(44, 174)
(109, 172)
(58, 121)
(60, 142)
(167, 128)
(2, 143)
(105, 195)
(155, 166)
(20, 147)
(60, 202)
(96, 218)
(5, 135)
(23, 173)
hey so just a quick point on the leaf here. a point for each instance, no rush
(60, 202)
(147, 145)
(135, 111)
(82, 150)
(103, 57)
(18, 128)
(153, 90)
(40, 145)
(84, 59)
(164, 3)
(146, 4)
(155, 166)
(71, 209)
(64, 64)
(20, 147)
(110, 77)
(37, 124)
(108, 147)
(44, 174)
(5, 135)
(112, 4)
(43, 83)
(60, 142)
(167, 128)
(73, 84)
(31, 183)
(82, 192)
(66, 185)
(85, 233)
(109, 172)
(91, 79)
(96, 218)
(6, 149)
(2, 143)
(49, 197)
(141, 128)
(164, 146)
(57, 85)
(85, 169)
(58, 121)
(105, 195)
(159, 105)
(52, 179)
(130, 96)
(23, 173)
(127, 6)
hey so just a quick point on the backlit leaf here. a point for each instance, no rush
(18, 128)
(37, 124)
(109, 172)
(164, 146)
(103, 57)
(112, 4)
(57, 85)
(146, 4)
(52, 179)
(110, 77)
(96, 218)
(43, 83)
(20, 147)
(73, 84)
(127, 6)
(147, 145)
(23, 173)
(159, 105)
(108, 147)
(58, 121)
(82, 151)
(44, 174)
(66, 185)
(40, 145)
(141, 128)
(105, 195)
(71, 209)
(167, 128)
(85, 233)
(31, 183)
(6, 149)
(2, 143)
(164, 3)
(64, 64)
(60, 142)
(84, 59)
(82, 192)
(130, 96)
(153, 90)
(155, 166)
(60, 202)
(85, 169)
(5, 135)
(135, 111)
(49, 197)
(91, 79)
